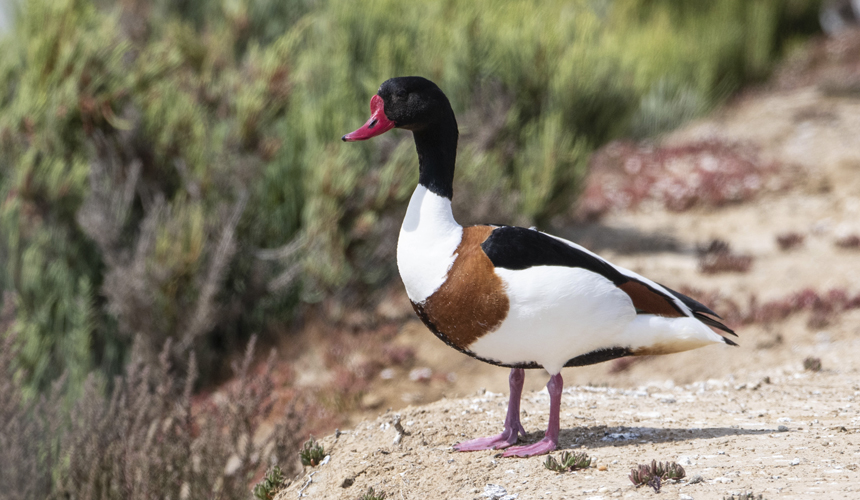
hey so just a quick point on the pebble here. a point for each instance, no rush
(697, 478)
(796, 461)
(496, 492)
(420, 374)
(620, 436)
(782, 428)
(683, 496)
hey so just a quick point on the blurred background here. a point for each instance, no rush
(176, 202)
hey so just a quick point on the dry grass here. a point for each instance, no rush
(25, 424)
(147, 439)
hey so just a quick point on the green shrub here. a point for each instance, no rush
(133, 164)
(173, 169)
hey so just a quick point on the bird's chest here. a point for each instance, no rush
(470, 301)
(427, 245)
(424, 260)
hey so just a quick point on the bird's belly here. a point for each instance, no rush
(556, 314)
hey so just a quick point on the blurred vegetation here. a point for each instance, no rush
(173, 170)
(146, 438)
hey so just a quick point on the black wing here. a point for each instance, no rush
(700, 310)
(518, 248)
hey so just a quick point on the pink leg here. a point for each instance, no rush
(550, 440)
(512, 420)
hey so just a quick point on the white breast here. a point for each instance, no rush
(428, 239)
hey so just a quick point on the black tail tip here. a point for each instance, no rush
(730, 342)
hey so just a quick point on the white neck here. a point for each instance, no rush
(428, 239)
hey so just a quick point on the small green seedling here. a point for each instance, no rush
(312, 453)
(656, 473)
(744, 496)
(569, 462)
(271, 484)
(812, 364)
(372, 495)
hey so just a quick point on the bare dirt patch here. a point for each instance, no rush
(791, 435)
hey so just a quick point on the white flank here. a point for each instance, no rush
(428, 239)
(667, 334)
(559, 313)
(556, 313)
(630, 274)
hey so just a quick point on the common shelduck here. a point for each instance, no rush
(512, 296)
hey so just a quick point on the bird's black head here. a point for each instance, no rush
(413, 102)
(407, 102)
(416, 104)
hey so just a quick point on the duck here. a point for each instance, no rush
(517, 297)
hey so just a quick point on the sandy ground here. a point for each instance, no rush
(709, 406)
(794, 437)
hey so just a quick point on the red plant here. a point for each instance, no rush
(787, 241)
(851, 242)
(717, 257)
(707, 173)
(397, 355)
(822, 306)
(623, 364)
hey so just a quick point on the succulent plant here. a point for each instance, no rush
(372, 495)
(812, 364)
(312, 453)
(271, 484)
(744, 496)
(653, 475)
(569, 462)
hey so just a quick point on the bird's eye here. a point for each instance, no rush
(401, 95)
